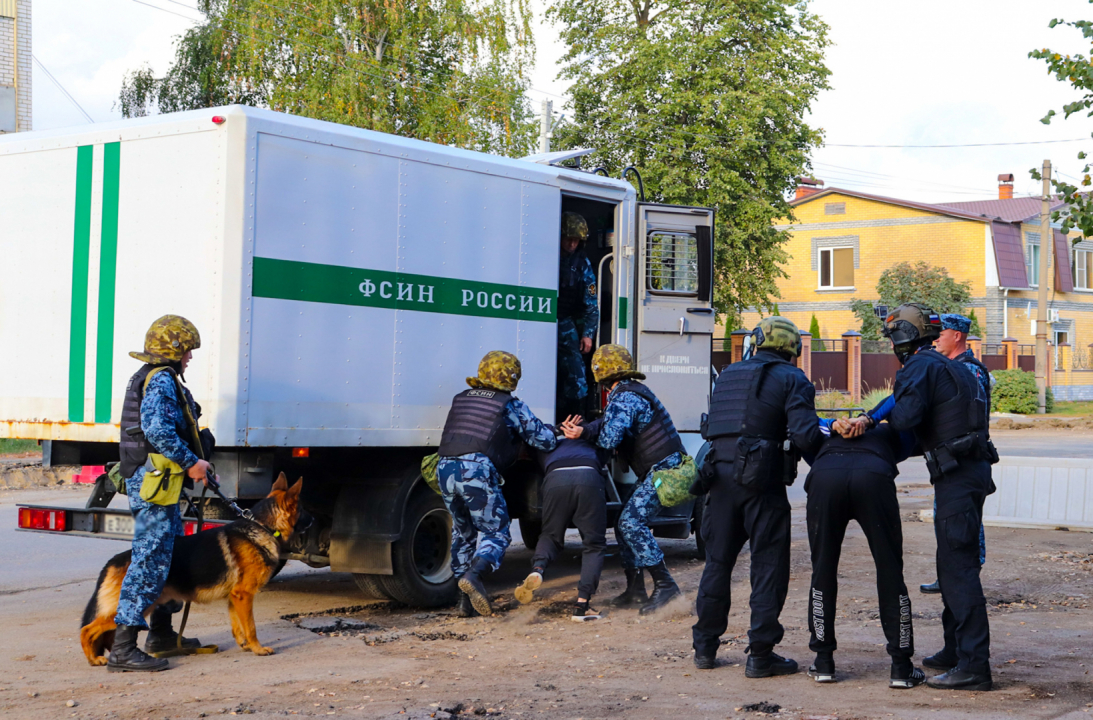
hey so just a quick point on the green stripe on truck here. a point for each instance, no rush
(108, 271)
(81, 248)
(312, 282)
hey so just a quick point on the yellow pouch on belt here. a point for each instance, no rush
(163, 480)
(428, 471)
(674, 486)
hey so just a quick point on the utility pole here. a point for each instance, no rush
(544, 126)
(1047, 247)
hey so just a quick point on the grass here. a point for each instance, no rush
(1073, 409)
(17, 447)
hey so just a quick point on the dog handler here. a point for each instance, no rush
(156, 408)
(481, 438)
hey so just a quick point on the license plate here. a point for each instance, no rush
(118, 524)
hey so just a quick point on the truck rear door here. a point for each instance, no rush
(675, 315)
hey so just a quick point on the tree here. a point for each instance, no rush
(450, 71)
(775, 311)
(814, 330)
(707, 98)
(975, 329)
(1077, 69)
(919, 283)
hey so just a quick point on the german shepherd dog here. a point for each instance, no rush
(232, 561)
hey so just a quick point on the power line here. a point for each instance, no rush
(157, 7)
(961, 145)
(62, 88)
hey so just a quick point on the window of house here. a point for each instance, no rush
(835, 208)
(1083, 270)
(1032, 264)
(672, 262)
(837, 267)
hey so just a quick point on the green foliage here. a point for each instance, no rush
(1014, 392)
(9, 446)
(452, 71)
(814, 330)
(827, 400)
(1049, 400)
(976, 329)
(1076, 69)
(776, 311)
(903, 283)
(707, 98)
(876, 396)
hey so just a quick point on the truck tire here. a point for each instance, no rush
(421, 558)
(371, 586)
(696, 526)
(530, 530)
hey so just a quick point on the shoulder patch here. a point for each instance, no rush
(592, 289)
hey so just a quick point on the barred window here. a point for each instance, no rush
(671, 262)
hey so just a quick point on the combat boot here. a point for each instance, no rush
(127, 657)
(525, 593)
(471, 583)
(957, 679)
(162, 637)
(665, 589)
(944, 660)
(634, 594)
(768, 665)
(463, 607)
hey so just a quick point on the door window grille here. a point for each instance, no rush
(671, 263)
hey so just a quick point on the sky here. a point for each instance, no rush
(933, 72)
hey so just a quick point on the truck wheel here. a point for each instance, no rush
(371, 586)
(530, 530)
(696, 527)
(422, 556)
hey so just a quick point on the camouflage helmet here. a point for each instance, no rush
(167, 340)
(498, 370)
(778, 334)
(911, 323)
(614, 362)
(574, 225)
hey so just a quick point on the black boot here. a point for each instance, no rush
(635, 590)
(931, 589)
(162, 637)
(665, 589)
(463, 607)
(768, 665)
(705, 660)
(127, 657)
(944, 660)
(471, 583)
(957, 679)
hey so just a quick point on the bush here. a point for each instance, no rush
(874, 397)
(1049, 400)
(1014, 392)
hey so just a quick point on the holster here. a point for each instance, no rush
(707, 474)
(790, 460)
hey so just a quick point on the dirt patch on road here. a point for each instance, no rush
(20, 475)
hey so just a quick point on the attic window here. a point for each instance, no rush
(835, 208)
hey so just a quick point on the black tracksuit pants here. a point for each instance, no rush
(574, 495)
(856, 486)
(734, 515)
(960, 496)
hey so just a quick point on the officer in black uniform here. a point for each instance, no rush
(762, 415)
(940, 401)
(855, 480)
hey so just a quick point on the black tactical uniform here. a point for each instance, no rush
(757, 405)
(855, 480)
(939, 400)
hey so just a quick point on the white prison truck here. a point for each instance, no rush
(345, 283)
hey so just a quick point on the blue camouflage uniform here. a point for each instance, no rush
(627, 414)
(471, 488)
(576, 272)
(164, 425)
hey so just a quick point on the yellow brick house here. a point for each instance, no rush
(842, 240)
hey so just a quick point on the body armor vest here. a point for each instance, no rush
(952, 415)
(971, 360)
(570, 288)
(657, 441)
(476, 424)
(737, 409)
(134, 449)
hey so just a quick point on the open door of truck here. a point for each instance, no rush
(675, 315)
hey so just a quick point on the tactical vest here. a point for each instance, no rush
(476, 424)
(972, 360)
(570, 288)
(952, 416)
(736, 407)
(657, 441)
(134, 449)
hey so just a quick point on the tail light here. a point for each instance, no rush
(189, 527)
(39, 519)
